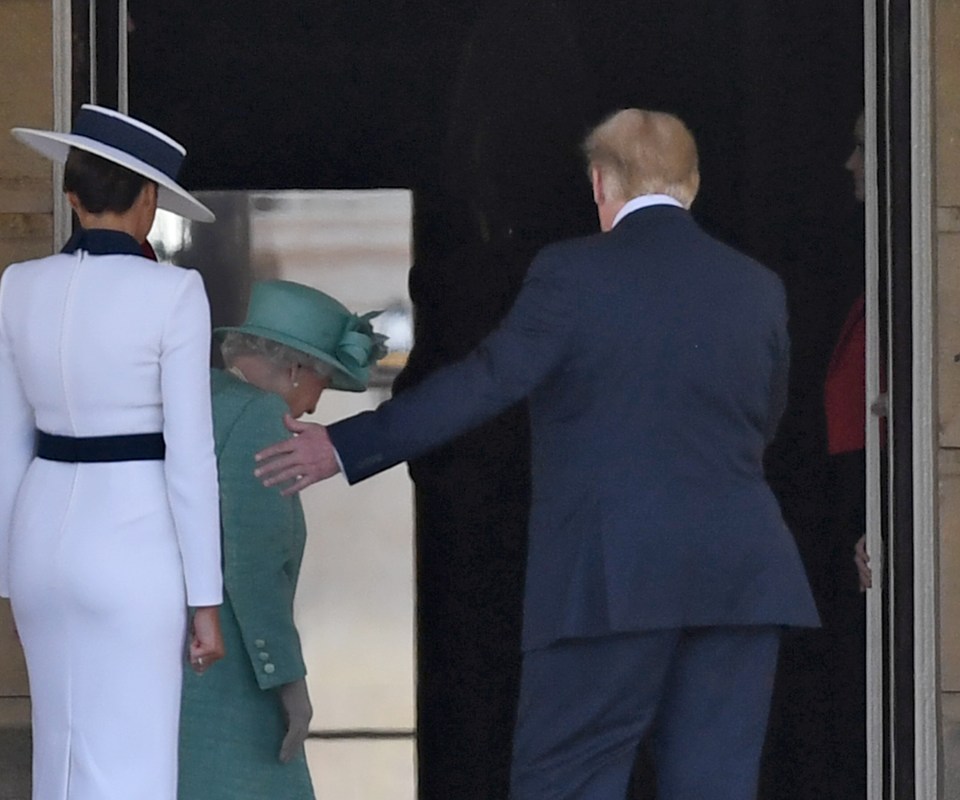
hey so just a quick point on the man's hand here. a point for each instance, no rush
(305, 458)
(298, 711)
(862, 560)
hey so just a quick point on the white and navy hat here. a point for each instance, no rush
(128, 142)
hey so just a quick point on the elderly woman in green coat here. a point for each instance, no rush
(243, 722)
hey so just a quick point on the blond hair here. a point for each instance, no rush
(644, 152)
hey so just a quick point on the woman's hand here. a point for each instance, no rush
(206, 641)
(298, 710)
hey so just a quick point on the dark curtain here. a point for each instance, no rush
(510, 181)
(478, 106)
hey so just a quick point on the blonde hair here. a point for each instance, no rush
(644, 152)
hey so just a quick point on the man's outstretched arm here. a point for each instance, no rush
(305, 458)
(503, 369)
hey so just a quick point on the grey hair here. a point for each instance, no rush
(236, 344)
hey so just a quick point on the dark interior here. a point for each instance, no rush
(478, 107)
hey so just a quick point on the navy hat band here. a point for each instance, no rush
(130, 139)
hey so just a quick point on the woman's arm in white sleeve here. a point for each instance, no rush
(17, 442)
(190, 465)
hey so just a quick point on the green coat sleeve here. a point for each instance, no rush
(263, 537)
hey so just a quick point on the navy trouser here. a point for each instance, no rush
(585, 704)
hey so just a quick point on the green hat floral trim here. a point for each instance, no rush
(360, 346)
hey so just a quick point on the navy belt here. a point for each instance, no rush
(94, 449)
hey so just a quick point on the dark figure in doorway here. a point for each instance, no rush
(816, 749)
(660, 570)
(496, 195)
(844, 614)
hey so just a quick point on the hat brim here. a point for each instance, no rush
(342, 379)
(170, 195)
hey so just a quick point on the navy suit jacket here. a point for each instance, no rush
(655, 360)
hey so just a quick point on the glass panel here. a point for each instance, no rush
(362, 770)
(355, 596)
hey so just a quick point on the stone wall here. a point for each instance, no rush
(26, 229)
(947, 167)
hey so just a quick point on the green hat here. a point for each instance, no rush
(312, 322)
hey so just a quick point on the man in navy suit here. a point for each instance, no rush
(660, 571)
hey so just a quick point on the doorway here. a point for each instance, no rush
(478, 108)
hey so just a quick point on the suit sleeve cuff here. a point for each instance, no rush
(274, 669)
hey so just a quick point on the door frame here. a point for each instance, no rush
(62, 110)
(63, 88)
(926, 527)
(903, 699)
(903, 732)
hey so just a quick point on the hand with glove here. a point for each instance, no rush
(297, 709)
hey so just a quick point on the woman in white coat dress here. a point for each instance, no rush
(109, 523)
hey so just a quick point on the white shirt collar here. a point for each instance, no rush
(645, 201)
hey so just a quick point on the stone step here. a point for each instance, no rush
(14, 763)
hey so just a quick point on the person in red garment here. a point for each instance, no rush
(844, 612)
